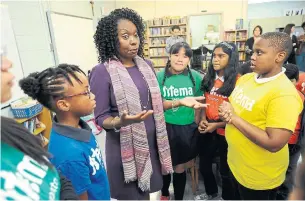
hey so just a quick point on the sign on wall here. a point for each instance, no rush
(294, 11)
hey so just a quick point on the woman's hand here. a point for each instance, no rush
(192, 102)
(127, 119)
(225, 112)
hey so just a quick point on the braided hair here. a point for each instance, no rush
(106, 35)
(230, 71)
(174, 50)
(17, 136)
(48, 85)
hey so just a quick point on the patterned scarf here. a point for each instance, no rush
(133, 138)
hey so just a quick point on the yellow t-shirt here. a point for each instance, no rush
(272, 103)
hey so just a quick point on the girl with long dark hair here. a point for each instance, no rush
(218, 85)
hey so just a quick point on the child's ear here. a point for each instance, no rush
(280, 57)
(63, 105)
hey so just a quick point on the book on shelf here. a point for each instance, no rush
(242, 56)
(241, 35)
(157, 41)
(34, 125)
(159, 62)
(157, 52)
(44, 140)
(164, 31)
(230, 36)
(167, 21)
(240, 46)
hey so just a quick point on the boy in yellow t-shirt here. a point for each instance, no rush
(261, 116)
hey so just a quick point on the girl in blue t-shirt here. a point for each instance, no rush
(75, 152)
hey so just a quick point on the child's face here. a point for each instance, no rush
(220, 59)
(265, 57)
(179, 61)
(78, 98)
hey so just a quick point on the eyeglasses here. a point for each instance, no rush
(85, 93)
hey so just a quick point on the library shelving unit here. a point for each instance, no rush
(146, 47)
(158, 30)
(39, 125)
(239, 37)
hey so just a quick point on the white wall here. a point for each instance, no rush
(272, 9)
(32, 36)
(232, 10)
(29, 22)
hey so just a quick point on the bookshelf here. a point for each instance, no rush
(40, 125)
(146, 47)
(157, 31)
(239, 37)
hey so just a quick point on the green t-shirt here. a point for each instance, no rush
(178, 87)
(23, 178)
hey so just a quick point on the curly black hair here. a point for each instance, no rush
(106, 35)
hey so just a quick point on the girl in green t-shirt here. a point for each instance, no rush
(177, 83)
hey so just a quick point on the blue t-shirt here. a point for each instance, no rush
(76, 154)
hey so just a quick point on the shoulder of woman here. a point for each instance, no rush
(149, 62)
(99, 68)
(250, 39)
(100, 71)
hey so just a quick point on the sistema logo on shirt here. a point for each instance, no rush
(95, 159)
(171, 91)
(241, 99)
(26, 182)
